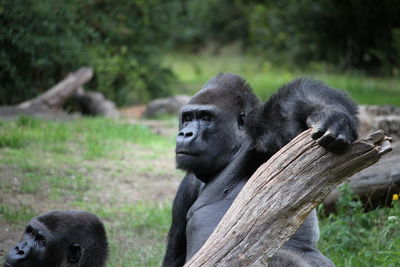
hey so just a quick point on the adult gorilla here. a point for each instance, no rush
(226, 133)
(61, 239)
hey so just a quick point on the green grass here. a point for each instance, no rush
(353, 237)
(136, 232)
(17, 215)
(96, 136)
(53, 160)
(48, 165)
(194, 70)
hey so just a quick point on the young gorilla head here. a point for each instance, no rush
(212, 125)
(61, 238)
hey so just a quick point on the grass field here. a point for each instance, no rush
(122, 172)
(125, 172)
(265, 78)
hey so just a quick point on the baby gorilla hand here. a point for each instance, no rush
(333, 130)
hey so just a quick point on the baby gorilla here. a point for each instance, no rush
(61, 238)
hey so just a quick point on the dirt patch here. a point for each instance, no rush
(134, 112)
(133, 179)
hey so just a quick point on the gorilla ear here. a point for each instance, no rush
(74, 253)
(241, 120)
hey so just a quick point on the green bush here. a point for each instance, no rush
(199, 23)
(127, 78)
(349, 34)
(41, 41)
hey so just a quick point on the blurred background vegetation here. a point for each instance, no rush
(140, 49)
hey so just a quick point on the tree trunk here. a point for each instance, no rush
(279, 196)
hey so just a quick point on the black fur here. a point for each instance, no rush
(61, 238)
(226, 133)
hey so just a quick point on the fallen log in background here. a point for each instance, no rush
(279, 196)
(56, 96)
(50, 103)
(374, 185)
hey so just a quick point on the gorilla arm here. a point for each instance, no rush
(299, 105)
(302, 104)
(188, 191)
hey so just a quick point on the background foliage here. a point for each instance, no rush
(41, 41)
(124, 41)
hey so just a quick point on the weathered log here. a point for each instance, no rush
(280, 195)
(50, 104)
(55, 97)
(95, 104)
(385, 117)
(374, 185)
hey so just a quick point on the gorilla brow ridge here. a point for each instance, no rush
(235, 85)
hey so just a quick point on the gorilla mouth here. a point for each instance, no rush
(188, 153)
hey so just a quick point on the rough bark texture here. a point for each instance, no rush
(385, 117)
(280, 195)
(95, 104)
(50, 103)
(56, 96)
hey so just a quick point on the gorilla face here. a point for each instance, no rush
(61, 238)
(207, 140)
(36, 248)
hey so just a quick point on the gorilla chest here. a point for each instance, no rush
(205, 215)
(202, 223)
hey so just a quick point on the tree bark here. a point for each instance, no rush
(56, 96)
(279, 196)
(50, 103)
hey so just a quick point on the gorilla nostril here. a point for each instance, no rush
(20, 252)
(189, 134)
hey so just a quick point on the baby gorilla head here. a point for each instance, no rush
(61, 238)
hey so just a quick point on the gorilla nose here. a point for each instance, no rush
(21, 251)
(185, 134)
(185, 137)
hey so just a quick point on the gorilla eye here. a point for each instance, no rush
(206, 118)
(187, 118)
(241, 120)
(40, 240)
(29, 230)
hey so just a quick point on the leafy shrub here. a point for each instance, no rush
(127, 78)
(331, 31)
(41, 41)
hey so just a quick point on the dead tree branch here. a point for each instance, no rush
(280, 195)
